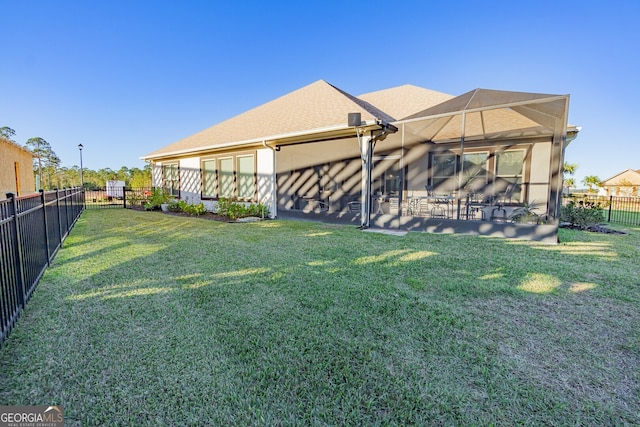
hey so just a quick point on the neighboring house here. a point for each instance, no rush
(405, 157)
(16, 169)
(626, 183)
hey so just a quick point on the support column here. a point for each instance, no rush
(366, 153)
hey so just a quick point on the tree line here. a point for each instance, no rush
(51, 174)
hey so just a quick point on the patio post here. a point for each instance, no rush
(366, 153)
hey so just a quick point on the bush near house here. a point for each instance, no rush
(582, 214)
(195, 209)
(158, 197)
(234, 209)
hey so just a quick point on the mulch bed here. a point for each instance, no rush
(209, 215)
(593, 229)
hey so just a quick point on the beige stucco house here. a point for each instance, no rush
(16, 169)
(405, 157)
(625, 183)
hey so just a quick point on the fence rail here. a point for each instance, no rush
(618, 210)
(32, 229)
(116, 197)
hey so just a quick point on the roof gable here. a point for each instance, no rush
(319, 105)
(626, 177)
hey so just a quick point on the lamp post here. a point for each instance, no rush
(80, 147)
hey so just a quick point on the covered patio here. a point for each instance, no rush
(486, 157)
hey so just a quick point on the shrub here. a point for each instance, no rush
(196, 209)
(582, 214)
(177, 205)
(158, 197)
(184, 206)
(235, 209)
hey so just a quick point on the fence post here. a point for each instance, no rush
(43, 200)
(59, 215)
(610, 203)
(124, 196)
(18, 246)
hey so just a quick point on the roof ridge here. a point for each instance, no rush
(375, 111)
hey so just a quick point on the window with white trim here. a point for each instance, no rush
(510, 170)
(229, 176)
(171, 179)
(245, 167)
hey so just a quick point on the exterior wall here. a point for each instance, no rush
(190, 179)
(12, 154)
(266, 179)
(539, 176)
(326, 173)
(156, 174)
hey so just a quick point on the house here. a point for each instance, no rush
(16, 169)
(625, 183)
(405, 157)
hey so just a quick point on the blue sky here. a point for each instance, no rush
(127, 77)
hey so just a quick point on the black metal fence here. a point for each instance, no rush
(618, 210)
(32, 229)
(117, 197)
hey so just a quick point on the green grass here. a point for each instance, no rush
(150, 319)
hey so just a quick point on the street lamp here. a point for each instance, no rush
(80, 147)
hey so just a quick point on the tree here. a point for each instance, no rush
(569, 183)
(39, 147)
(7, 133)
(46, 159)
(568, 170)
(591, 181)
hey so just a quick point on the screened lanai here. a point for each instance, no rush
(478, 156)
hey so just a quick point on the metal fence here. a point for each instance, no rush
(116, 197)
(32, 229)
(618, 210)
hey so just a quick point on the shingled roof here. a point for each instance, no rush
(403, 101)
(313, 108)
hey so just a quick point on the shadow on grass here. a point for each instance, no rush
(295, 322)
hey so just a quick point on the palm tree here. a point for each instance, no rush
(591, 181)
(569, 183)
(569, 168)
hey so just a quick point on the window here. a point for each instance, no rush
(226, 177)
(246, 177)
(509, 170)
(474, 171)
(444, 171)
(209, 179)
(387, 176)
(171, 179)
(230, 176)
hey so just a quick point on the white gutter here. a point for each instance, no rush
(256, 140)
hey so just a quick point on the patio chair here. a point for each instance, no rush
(476, 203)
(499, 212)
(354, 206)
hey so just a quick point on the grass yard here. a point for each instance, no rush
(146, 319)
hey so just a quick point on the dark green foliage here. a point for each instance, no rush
(235, 209)
(582, 214)
(159, 197)
(183, 206)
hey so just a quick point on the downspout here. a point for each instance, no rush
(274, 194)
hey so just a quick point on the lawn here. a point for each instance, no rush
(146, 319)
